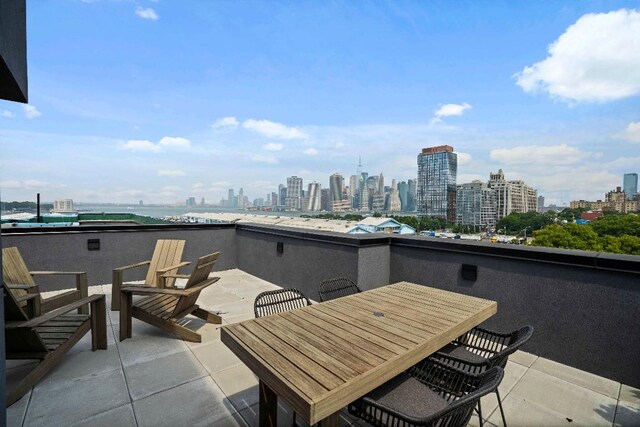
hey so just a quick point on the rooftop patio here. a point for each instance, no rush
(156, 379)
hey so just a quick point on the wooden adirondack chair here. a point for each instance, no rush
(19, 280)
(49, 336)
(165, 307)
(166, 259)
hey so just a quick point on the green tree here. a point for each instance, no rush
(567, 236)
(516, 222)
(617, 225)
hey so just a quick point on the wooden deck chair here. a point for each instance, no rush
(166, 259)
(165, 307)
(48, 337)
(19, 280)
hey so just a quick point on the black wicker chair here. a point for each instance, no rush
(429, 394)
(272, 302)
(337, 288)
(480, 349)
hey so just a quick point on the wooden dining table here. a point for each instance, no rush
(320, 358)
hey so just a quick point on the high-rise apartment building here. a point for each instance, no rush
(630, 185)
(437, 169)
(336, 185)
(63, 206)
(274, 198)
(314, 195)
(476, 205)
(282, 195)
(191, 201)
(294, 193)
(325, 199)
(540, 203)
(512, 196)
(412, 191)
(232, 202)
(353, 189)
(403, 193)
(394, 205)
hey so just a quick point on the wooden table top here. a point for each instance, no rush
(324, 356)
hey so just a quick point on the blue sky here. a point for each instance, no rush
(161, 100)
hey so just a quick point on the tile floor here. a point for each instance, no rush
(154, 379)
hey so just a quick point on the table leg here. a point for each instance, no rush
(268, 416)
(332, 420)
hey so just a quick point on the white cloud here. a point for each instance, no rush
(146, 13)
(447, 110)
(273, 130)
(166, 143)
(541, 155)
(7, 114)
(168, 172)
(197, 186)
(273, 146)
(310, 151)
(631, 133)
(140, 145)
(596, 60)
(174, 142)
(225, 122)
(29, 184)
(31, 112)
(264, 159)
(464, 159)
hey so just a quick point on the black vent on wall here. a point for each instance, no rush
(469, 272)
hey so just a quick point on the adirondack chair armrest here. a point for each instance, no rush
(26, 297)
(148, 290)
(175, 276)
(57, 273)
(128, 267)
(163, 271)
(36, 321)
(200, 286)
(23, 287)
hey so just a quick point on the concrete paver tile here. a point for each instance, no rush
(122, 416)
(216, 356)
(576, 376)
(77, 401)
(162, 373)
(551, 400)
(197, 403)
(239, 385)
(523, 358)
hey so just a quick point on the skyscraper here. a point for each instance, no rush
(314, 195)
(411, 195)
(476, 205)
(353, 190)
(437, 169)
(294, 193)
(336, 184)
(512, 196)
(282, 195)
(231, 200)
(403, 193)
(630, 185)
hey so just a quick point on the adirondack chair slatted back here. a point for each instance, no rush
(166, 254)
(23, 340)
(199, 274)
(15, 270)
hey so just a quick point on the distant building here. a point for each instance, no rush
(63, 206)
(412, 189)
(630, 185)
(282, 195)
(202, 202)
(436, 189)
(512, 196)
(403, 194)
(476, 205)
(615, 200)
(294, 193)
(314, 196)
(353, 190)
(191, 201)
(541, 204)
(381, 225)
(274, 199)
(340, 206)
(231, 201)
(325, 199)
(394, 205)
(336, 185)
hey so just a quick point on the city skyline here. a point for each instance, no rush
(159, 102)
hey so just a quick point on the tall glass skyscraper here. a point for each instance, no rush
(630, 185)
(437, 169)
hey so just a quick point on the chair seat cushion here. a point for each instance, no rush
(461, 353)
(408, 396)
